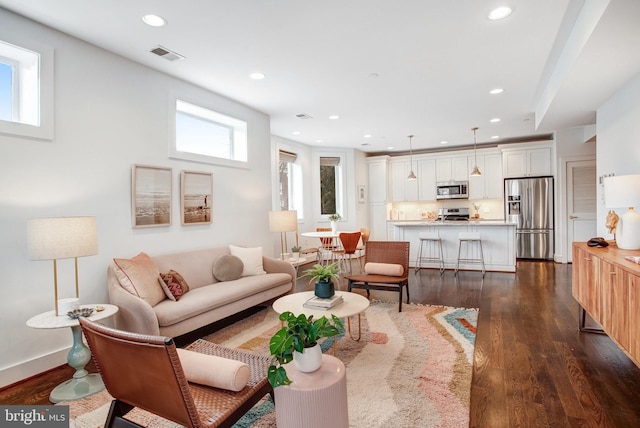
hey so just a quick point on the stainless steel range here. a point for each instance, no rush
(453, 214)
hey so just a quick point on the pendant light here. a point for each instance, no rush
(412, 175)
(476, 172)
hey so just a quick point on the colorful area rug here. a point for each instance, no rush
(410, 369)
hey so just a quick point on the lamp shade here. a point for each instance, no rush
(622, 191)
(619, 192)
(283, 221)
(62, 237)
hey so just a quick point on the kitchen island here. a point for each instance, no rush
(498, 242)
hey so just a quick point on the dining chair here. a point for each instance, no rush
(327, 245)
(349, 241)
(145, 371)
(365, 233)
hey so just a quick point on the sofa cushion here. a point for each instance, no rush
(251, 259)
(171, 289)
(207, 298)
(139, 276)
(175, 285)
(227, 268)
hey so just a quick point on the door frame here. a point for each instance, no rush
(562, 227)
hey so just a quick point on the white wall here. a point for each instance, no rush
(618, 147)
(110, 113)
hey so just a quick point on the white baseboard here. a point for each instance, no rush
(13, 374)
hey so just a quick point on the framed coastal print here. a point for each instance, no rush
(151, 196)
(196, 197)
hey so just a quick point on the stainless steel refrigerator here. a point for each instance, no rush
(529, 204)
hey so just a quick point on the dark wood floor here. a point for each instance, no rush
(532, 367)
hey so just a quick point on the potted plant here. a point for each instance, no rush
(333, 218)
(323, 275)
(298, 341)
(295, 250)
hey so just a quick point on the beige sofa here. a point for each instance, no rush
(207, 300)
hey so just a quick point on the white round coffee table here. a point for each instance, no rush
(352, 304)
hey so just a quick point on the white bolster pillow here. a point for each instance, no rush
(388, 269)
(214, 371)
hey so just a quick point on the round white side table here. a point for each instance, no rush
(82, 384)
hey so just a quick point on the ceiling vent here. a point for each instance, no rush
(303, 116)
(166, 53)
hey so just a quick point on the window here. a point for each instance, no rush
(26, 91)
(330, 185)
(290, 183)
(203, 135)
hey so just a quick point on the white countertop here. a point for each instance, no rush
(480, 222)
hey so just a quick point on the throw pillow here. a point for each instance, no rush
(175, 285)
(251, 259)
(214, 371)
(172, 290)
(388, 269)
(227, 268)
(139, 276)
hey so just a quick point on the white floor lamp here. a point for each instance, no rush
(624, 191)
(283, 222)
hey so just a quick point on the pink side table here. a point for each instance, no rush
(317, 399)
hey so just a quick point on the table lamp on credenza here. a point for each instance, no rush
(283, 222)
(62, 238)
(620, 192)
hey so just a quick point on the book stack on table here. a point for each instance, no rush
(324, 304)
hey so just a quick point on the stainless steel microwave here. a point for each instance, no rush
(452, 190)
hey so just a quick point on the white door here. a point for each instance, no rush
(581, 202)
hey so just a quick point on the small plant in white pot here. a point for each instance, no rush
(295, 250)
(297, 341)
(334, 218)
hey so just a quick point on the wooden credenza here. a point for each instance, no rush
(607, 286)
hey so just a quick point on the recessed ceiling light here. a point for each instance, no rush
(390, 148)
(496, 91)
(444, 142)
(319, 141)
(499, 13)
(495, 119)
(296, 132)
(494, 137)
(334, 117)
(154, 20)
(257, 76)
(366, 136)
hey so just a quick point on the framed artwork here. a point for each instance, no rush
(362, 193)
(196, 189)
(151, 196)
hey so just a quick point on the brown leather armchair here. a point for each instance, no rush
(145, 371)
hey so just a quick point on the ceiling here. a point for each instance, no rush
(387, 68)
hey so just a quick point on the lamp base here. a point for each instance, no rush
(628, 231)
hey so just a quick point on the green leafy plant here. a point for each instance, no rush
(299, 332)
(296, 249)
(335, 217)
(321, 273)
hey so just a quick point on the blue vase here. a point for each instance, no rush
(324, 289)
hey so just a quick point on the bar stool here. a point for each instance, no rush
(469, 238)
(431, 239)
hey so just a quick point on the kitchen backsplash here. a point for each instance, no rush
(490, 209)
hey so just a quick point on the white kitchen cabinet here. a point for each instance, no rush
(527, 162)
(378, 175)
(402, 189)
(378, 222)
(426, 179)
(489, 184)
(454, 168)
